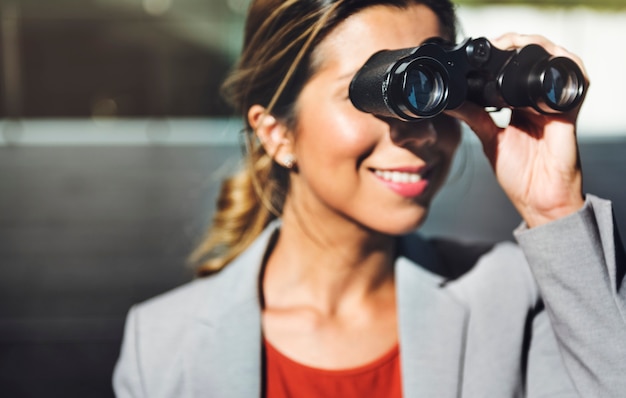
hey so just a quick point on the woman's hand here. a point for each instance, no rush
(535, 158)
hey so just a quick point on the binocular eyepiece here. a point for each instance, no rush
(423, 81)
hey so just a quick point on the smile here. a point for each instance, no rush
(398, 176)
(406, 183)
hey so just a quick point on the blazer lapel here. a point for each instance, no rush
(225, 348)
(432, 327)
(225, 358)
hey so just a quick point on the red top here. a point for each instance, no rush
(286, 378)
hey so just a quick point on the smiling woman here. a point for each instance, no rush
(315, 283)
(347, 158)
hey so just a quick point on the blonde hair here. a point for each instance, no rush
(279, 40)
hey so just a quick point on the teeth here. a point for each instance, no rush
(398, 176)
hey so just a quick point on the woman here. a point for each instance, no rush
(315, 284)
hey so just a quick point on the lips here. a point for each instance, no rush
(406, 181)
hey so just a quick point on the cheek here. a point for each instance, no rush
(337, 137)
(448, 133)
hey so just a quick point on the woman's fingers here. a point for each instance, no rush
(511, 41)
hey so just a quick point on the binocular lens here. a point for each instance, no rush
(414, 83)
(424, 90)
(561, 84)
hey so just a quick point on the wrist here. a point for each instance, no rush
(535, 217)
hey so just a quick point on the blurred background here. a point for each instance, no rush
(114, 139)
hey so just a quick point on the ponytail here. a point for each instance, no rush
(247, 202)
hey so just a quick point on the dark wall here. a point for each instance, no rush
(75, 68)
(76, 58)
(85, 232)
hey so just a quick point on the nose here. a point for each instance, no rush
(419, 134)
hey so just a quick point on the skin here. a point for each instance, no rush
(328, 284)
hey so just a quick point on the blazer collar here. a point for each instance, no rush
(432, 324)
(224, 351)
(224, 354)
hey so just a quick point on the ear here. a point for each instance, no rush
(273, 134)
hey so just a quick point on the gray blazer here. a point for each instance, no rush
(471, 322)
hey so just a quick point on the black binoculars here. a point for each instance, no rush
(423, 81)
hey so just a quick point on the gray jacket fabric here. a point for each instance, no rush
(472, 323)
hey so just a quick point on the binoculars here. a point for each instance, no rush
(421, 82)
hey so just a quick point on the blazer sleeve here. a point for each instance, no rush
(578, 263)
(127, 381)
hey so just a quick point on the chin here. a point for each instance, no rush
(403, 225)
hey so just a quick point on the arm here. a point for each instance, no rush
(127, 375)
(579, 265)
(571, 243)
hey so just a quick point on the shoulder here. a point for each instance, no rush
(163, 332)
(210, 297)
(453, 259)
(159, 332)
(177, 303)
(159, 324)
(472, 270)
(498, 274)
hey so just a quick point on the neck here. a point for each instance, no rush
(327, 266)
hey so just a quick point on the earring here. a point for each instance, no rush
(289, 160)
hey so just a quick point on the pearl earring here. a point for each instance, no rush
(289, 160)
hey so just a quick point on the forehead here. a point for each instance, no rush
(372, 29)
